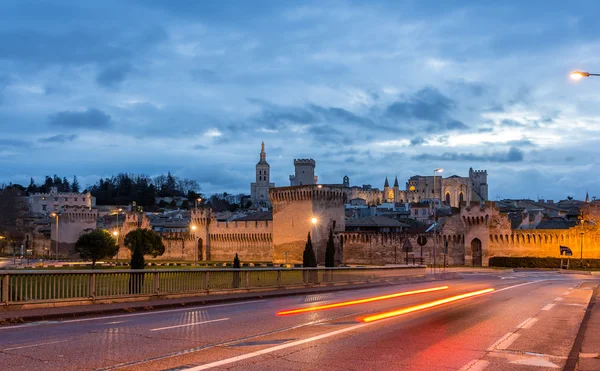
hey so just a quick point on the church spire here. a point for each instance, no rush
(587, 197)
(263, 155)
(396, 183)
(386, 185)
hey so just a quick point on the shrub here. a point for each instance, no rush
(546, 262)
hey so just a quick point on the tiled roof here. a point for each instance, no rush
(265, 215)
(556, 224)
(374, 221)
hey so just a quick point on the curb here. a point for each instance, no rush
(148, 306)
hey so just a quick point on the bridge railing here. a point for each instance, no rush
(51, 286)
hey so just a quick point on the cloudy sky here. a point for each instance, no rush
(367, 89)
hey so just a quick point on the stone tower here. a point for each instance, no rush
(293, 211)
(259, 190)
(480, 186)
(346, 181)
(304, 172)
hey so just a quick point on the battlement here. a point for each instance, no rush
(60, 194)
(304, 161)
(308, 192)
(244, 224)
(78, 213)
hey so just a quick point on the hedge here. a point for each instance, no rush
(548, 262)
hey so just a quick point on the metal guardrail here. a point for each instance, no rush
(48, 286)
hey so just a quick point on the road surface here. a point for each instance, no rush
(529, 321)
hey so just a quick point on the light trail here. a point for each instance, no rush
(360, 301)
(415, 308)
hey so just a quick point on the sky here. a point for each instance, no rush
(367, 89)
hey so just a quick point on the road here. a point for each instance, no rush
(529, 321)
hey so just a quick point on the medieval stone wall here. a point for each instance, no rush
(293, 210)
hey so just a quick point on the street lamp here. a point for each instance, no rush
(195, 244)
(578, 75)
(197, 200)
(438, 170)
(55, 215)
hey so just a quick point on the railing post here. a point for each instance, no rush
(92, 285)
(206, 281)
(279, 277)
(5, 280)
(156, 283)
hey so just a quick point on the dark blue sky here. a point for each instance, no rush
(367, 89)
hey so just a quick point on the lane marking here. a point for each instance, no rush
(190, 309)
(189, 324)
(304, 341)
(359, 301)
(519, 285)
(475, 365)
(548, 306)
(114, 322)
(559, 299)
(589, 355)
(35, 345)
(527, 323)
(504, 342)
(566, 292)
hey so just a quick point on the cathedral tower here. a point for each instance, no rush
(259, 190)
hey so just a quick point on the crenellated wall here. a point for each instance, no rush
(73, 221)
(293, 210)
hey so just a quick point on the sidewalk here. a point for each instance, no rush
(8, 317)
(589, 352)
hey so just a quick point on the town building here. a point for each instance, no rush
(54, 201)
(259, 190)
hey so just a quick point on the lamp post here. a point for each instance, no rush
(55, 215)
(314, 222)
(195, 244)
(578, 75)
(197, 200)
(438, 170)
(116, 234)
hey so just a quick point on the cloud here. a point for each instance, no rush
(92, 119)
(416, 141)
(427, 104)
(511, 123)
(112, 76)
(205, 75)
(14, 143)
(60, 138)
(512, 155)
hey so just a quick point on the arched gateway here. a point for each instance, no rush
(476, 252)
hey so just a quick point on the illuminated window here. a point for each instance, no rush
(411, 188)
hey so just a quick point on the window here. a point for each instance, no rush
(75, 199)
(66, 199)
(44, 207)
(55, 198)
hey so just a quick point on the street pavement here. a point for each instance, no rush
(529, 322)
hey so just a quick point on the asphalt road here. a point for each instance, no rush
(530, 321)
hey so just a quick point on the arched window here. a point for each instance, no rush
(461, 197)
(448, 198)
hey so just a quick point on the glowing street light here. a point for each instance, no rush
(314, 221)
(578, 75)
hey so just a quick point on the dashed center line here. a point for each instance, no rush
(35, 345)
(527, 323)
(189, 324)
(504, 342)
(548, 306)
(559, 299)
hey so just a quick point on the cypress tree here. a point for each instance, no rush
(236, 261)
(309, 260)
(330, 251)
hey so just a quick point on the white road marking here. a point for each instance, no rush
(35, 345)
(504, 342)
(535, 361)
(589, 355)
(548, 307)
(567, 292)
(521, 284)
(114, 322)
(189, 324)
(527, 323)
(559, 299)
(475, 365)
(130, 315)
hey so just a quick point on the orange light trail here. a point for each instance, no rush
(360, 301)
(415, 308)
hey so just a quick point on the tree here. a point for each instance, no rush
(185, 205)
(143, 242)
(236, 275)
(330, 251)
(75, 185)
(308, 258)
(95, 245)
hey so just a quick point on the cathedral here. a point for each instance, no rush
(259, 190)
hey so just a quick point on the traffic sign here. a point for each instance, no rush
(422, 240)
